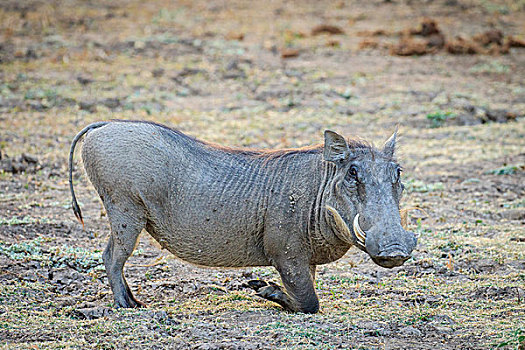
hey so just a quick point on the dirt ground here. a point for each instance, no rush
(260, 74)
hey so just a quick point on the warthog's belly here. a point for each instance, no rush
(211, 235)
(208, 245)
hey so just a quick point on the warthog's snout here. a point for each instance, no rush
(387, 249)
(391, 258)
(392, 255)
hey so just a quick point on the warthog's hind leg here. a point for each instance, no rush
(125, 229)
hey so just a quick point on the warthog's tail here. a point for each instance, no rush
(74, 204)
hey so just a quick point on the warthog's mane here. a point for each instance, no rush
(355, 144)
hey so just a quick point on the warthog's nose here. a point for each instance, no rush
(391, 259)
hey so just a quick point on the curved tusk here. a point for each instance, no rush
(343, 230)
(360, 234)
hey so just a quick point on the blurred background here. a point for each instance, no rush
(268, 74)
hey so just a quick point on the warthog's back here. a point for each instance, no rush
(205, 205)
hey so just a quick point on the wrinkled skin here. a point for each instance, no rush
(222, 207)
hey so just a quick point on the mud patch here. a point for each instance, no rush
(478, 266)
(473, 115)
(23, 229)
(432, 40)
(25, 163)
(7, 52)
(327, 29)
(428, 38)
(92, 313)
(470, 115)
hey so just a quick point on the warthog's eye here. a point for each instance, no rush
(396, 176)
(398, 172)
(353, 171)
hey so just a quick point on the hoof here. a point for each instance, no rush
(129, 303)
(267, 290)
(257, 284)
(271, 293)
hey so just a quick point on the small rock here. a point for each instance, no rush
(234, 75)
(233, 64)
(84, 80)
(89, 106)
(327, 29)
(139, 45)
(444, 330)
(187, 72)
(513, 214)
(374, 329)
(18, 167)
(29, 158)
(410, 332)
(7, 165)
(235, 36)
(233, 71)
(7, 52)
(158, 315)
(247, 274)
(30, 276)
(93, 313)
(157, 72)
(36, 105)
(500, 115)
(443, 319)
(111, 102)
(189, 288)
(23, 163)
(515, 42)
(289, 53)
(345, 110)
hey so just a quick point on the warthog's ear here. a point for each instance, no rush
(390, 145)
(335, 147)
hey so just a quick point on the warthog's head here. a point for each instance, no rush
(362, 201)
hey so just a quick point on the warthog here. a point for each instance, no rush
(215, 206)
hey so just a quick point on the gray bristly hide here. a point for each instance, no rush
(223, 207)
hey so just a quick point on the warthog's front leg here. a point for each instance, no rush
(298, 280)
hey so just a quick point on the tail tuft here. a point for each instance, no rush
(78, 213)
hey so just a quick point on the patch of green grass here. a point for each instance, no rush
(520, 203)
(39, 93)
(506, 170)
(490, 67)
(495, 7)
(165, 15)
(515, 340)
(346, 280)
(438, 118)
(20, 251)
(78, 258)
(18, 221)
